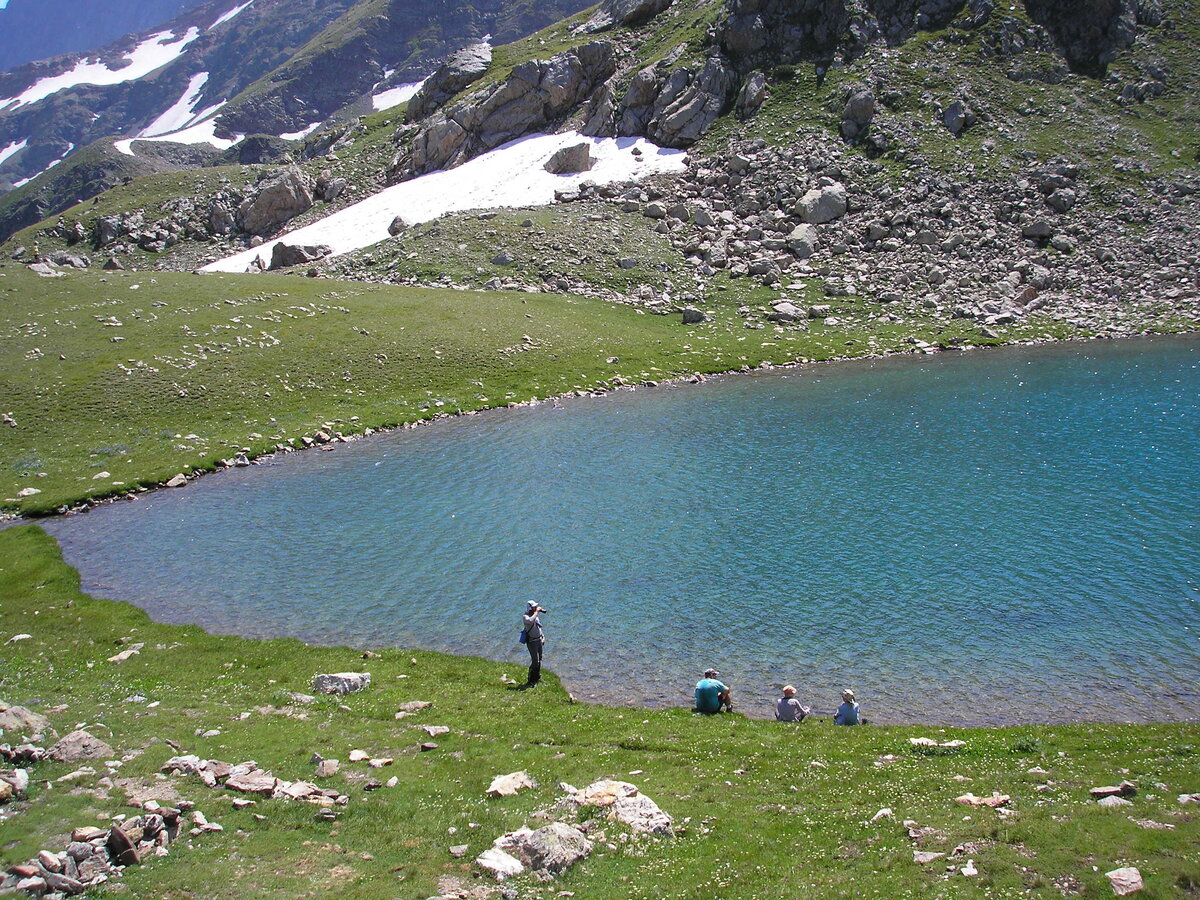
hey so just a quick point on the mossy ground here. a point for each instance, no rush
(763, 810)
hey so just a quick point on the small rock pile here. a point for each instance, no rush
(248, 778)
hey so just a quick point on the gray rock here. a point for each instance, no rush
(958, 117)
(803, 241)
(1061, 200)
(461, 68)
(276, 202)
(823, 204)
(693, 316)
(333, 189)
(19, 720)
(568, 160)
(397, 225)
(689, 102)
(553, 848)
(623, 12)
(79, 745)
(752, 95)
(503, 258)
(341, 682)
(1038, 230)
(785, 311)
(858, 113)
(284, 256)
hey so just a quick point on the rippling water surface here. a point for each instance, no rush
(1010, 536)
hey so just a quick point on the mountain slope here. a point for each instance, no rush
(39, 29)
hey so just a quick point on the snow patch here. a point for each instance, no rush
(181, 113)
(302, 133)
(512, 175)
(153, 53)
(203, 132)
(229, 15)
(25, 181)
(395, 96)
(13, 149)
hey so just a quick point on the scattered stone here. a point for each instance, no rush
(341, 682)
(924, 857)
(284, 256)
(996, 800)
(508, 785)
(18, 719)
(121, 848)
(968, 870)
(500, 864)
(626, 805)
(932, 744)
(327, 768)
(693, 316)
(823, 204)
(458, 851)
(397, 225)
(380, 762)
(177, 481)
(1124, 789)
(127, 653)
(413, 706)
(359, 756)
(435, 730)
(1127, 880)
(1113, 801)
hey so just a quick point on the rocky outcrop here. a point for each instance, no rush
(1090, 33)
(676, 110)
(624, 12)
(276, 202)
(460, 70)
(536, 96)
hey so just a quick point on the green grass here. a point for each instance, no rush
(757, 816)
(142, 375)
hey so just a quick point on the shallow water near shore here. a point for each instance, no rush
(984, 538)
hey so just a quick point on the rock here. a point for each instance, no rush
(1124, 789)
(79, 745)
(784, 311)
(1038, 230)
(803, 241)
(1188, 798)
(380, 761)
(435, 730)
(623, 12)
(327, 768)
(276, 202)
(458, 851)
(397, 225)
(1127, 880)
(359, 756)
(177, 481)
(553, 848)
(284, 256)
(958, 117)
(858, 113)
(263, 783)
(333, 189)
(7, 791)
(968, 870)
(626, 804)
(127, 653)
(500, 864)
(693, 316)
(508, 785)
(924, 857)
(411, 706)
(19, 720)
(1061, 200)
(1112, 802)
(685, 105)
(823, 204)
(121, 848)
(461, 68)
(941, 745)
(752, 95)
(341, 682)
(996, 800)
(44, 270)
(503, 258)
(567, 160)
(17, 779)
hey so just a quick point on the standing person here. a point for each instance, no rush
(534, 641)
(711, 695)
(788, 708)
(847, 713)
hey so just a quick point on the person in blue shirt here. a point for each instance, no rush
(711, 695)
(847, 713)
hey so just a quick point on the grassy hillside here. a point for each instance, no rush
(761, 809)
(144, 375)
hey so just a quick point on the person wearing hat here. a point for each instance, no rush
(788, 708)
(534, 641)
(847, 713)
(711, 695)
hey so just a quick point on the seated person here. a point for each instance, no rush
(847, 713)
(788, 708)
(711, 695)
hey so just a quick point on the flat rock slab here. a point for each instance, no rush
(253, 783)
(508, 785)
(1124, 789)
(341, 682)
(79, 745)
(1127, 880)
(996, 800)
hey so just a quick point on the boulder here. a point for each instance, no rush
(284, 256)
(568, 160)
(1126, 880)
(508, 785)
(276, 202)
(1124, 789)
(823, 204)
(803, 241)
(461, 68)
(500, 864)
(397, 225)
(79, 745)
(19, 720)
(693, 316)
(958, 117)
(333, 189)
(1061, 200)
(752, 95)
(553, 848)
(263, 783)
(626, 804)
(623, 12)
(858, 113)
(341, 682)
(121, 848)
(1038, 230)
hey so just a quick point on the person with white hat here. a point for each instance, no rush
(847, 713)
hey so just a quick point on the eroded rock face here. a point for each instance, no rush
(1089, 33)
(461, 68)
(536, 96)
(677, 111)
(624, 12)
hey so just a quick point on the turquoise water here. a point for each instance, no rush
(999, 537)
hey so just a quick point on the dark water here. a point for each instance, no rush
(1010, 536)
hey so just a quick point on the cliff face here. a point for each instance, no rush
(40, 29)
